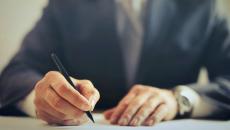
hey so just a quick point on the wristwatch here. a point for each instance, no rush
(186, 99)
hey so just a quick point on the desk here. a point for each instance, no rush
(26, 123)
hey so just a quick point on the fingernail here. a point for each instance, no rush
(149, 122)
(156, 122)
(113, 119)
(85, 106)
(134, 122)
(153, 122)
(123, 121)
(93, 105)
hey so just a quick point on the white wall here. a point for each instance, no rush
(223, 10)
(17, 17)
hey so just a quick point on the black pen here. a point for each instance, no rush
(67, 77)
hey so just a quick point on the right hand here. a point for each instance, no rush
(57, 102)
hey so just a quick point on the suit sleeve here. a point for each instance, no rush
(216, 94)
(31, 62)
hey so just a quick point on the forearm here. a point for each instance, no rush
(190, 103)
(16, 83)
(213, 101)
(27, 106)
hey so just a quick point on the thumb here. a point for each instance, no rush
(87, 89)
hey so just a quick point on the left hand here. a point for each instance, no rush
(143, 105)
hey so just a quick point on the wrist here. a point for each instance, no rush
(186, 100)
(27, 104)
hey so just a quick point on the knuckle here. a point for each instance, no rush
(137, 102)
(92, 92)
(157, 95)
(51, 74)
(38, 86)
(149, 89)
(41, 89)
(137, 87)
(86, 81)
(123, 104)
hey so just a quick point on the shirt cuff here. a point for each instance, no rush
(27, 105)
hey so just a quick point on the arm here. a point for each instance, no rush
(211, 101)
(27, 105)
(31, 62)
(217, 61)
(51, 96)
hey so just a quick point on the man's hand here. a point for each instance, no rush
(57, 102)
(143, 105)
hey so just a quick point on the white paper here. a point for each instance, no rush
(19, 123)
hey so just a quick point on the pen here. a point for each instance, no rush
(67, 77)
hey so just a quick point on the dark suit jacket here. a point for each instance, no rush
(179, 38)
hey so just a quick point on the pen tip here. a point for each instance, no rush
(90, 116)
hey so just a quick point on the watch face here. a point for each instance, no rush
(185, 98)
(185, 105)
(185, 101)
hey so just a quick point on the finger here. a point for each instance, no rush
(53, 121)
(87, 89)
(157, 115)
(108, 113)
(48, 118)
(67, 92)
(61, 105)
(42, 105)
(132, 108)
(76, 121)
(146, 110)
(121, 107)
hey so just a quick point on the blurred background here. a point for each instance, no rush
(18, 17)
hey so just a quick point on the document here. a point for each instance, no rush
(25, 123)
